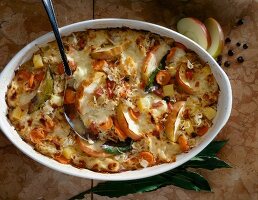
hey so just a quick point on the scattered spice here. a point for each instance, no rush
(238, 44)
(230, 52)
(240, 22)
(240, 59)
(245, 46)
(227, 40)
(227, 64)
(219, 58)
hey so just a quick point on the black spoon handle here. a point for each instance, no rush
(52, 18)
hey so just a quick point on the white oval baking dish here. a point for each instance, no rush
(224, 103)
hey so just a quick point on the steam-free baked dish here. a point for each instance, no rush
(143, 99)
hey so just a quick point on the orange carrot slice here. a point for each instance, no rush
(163, 77)
(148, 156)
(183, 143)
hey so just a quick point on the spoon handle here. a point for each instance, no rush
(52, 18)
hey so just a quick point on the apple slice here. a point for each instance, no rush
(217, 37)
(93, 150)
(186, 84)
(152, 60)
(173, 121)
(107, 53)
(127, 124)
(195, 30)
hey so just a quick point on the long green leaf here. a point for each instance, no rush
(206, 162)
(213, 148)
(198, 181)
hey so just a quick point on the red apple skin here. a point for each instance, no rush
(182, 84)
(204, 30)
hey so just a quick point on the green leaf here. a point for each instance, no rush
(122, 188)
(45, 90)
(151, 81)
(117, 148)
(187, 180)
(213, 148)
(206, 162)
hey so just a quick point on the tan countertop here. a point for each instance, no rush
(21, 21)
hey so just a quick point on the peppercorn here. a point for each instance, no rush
(127, 78)
(238, 44)
(219, 58)
(240, 22)
(227, 40)
(230, 52)
(245, 46)
(227, 64)
(240, 59)
(166, 98)
(219, 62)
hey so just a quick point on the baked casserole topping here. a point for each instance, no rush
(143, 99)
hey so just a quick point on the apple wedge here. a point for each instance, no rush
(93, 150)
(173, 121)
(152, 60)
(187, 85)
(195, 30)
(217, 37)
(127, 124)
(175, 54)
(107, 53)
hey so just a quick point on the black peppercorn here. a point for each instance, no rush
(245, 46)
(126, 78)
(240, 22)
(166, 98)
(219, 58)
(230, 52)
(238, 44)
(227, 64)
(227, 40)
(240, 59)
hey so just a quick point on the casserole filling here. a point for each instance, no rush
(144, 99)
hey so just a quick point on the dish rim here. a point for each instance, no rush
(26, 52)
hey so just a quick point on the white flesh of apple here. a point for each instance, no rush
(195, 30)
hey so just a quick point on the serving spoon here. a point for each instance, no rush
(75, 122)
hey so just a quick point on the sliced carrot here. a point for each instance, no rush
(62, 159)
(171, 54)
(183, 143)
(60, 68)
(107, 125)
(37, 135)
(69, 97)
(148, 156)
(180, 45)
(23, 74)
(98, 64)
(134, 115)
(121, 135)
(31, 80)
(163, 77)
(202, 130)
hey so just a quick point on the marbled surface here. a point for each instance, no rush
(21, 21)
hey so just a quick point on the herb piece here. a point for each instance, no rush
(152, 84)
(179, 177)
(45, 90)
(117, 148)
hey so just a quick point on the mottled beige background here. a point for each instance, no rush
(21, 21)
